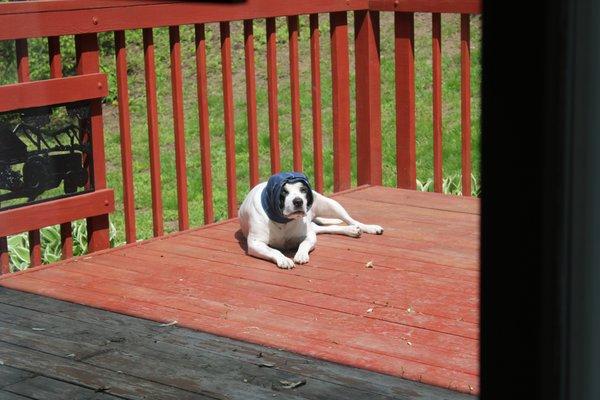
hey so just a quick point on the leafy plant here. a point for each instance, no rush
(451, 185)
(18, 245)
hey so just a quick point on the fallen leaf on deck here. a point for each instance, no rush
(369, 264)
(292, 385)
(38, 329)
(266, 365)
(370, 310)
(169, 323)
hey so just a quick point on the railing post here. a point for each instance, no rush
(4, 256)
(368, 97)
(88, 62)
(406, 169)
(340, 88)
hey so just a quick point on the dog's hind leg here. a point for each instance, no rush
(327, 221)
(348, 230)
(329, 208)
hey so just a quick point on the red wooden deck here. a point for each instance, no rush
(414, 314)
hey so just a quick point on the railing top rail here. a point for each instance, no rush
(67, 17)
(39, 18)
(435, 6)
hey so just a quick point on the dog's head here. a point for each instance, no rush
(287, 196)
(294, 200)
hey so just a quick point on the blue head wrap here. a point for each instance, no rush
(271, 193)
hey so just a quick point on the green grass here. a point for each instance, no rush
(450, 93)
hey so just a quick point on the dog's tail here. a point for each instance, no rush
(327, 221)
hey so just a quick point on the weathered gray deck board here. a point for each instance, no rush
(51, 349)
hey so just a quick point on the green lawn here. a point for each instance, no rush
(451, 110)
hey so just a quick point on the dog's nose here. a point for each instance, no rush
(297, 202)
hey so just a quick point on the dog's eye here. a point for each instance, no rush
(303, 190)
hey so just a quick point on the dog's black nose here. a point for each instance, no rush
(297, 202)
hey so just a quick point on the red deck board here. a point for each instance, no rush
(414, 314)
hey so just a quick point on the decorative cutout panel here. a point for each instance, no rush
(45, 153)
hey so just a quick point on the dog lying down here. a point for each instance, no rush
(285, 213)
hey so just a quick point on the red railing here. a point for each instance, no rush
(33, 19)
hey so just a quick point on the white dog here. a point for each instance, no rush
(285, 213)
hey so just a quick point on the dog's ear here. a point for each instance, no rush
(282, 195)
(309, 195)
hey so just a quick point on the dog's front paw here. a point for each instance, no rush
(285, 263)
(301, 258)
(373, 229)
(353, 231)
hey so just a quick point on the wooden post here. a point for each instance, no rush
(406, 169)
(153, 134)
(203, 124)
(125, 136)
(340, 71)
(178, 127)
(4, 256)
(228, 119)
(368, 97)
(88, 62)
(315, 77)
(436, 61)
(465, 102)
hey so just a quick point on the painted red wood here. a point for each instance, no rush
(125, 136)
(178, 127)
(224, 239)
(251, 102)
(428, 6)
(204, 124)
(55, 60)
(436, 60)
(368, 97)
(4, 256)
(315, 76)
(55, 57)
(272, 95)
(249, 6)
(228, 118)
(337, 300)
(69, 17)
(423, 199)
(22, 56)
(66, 240)
(405, 317)
(35, 248)
(52, 91)
(222, 290)
(404, 52)
(88, 62)
(60, 5)
(465, 102)
(153, 136)
(54, 212)
(340, 81)
(293, 25)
